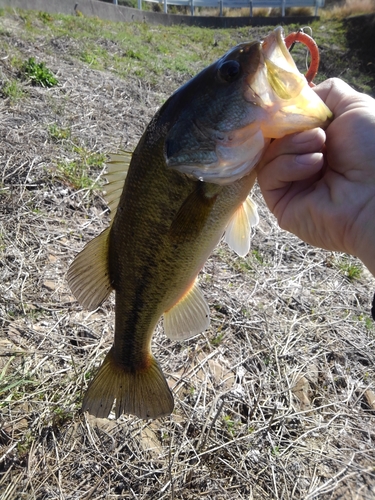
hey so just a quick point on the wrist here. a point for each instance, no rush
(365, 250)
(368, 259)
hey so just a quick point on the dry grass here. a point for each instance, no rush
(272, 402)
(341, 10)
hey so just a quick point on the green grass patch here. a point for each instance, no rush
(45, 17)
(59, 133)
(13, 90)
(78, 172)
(12, 384)
(351, 270)
(216, 341)
(145, 51)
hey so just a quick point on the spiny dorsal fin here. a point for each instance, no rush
(88, 276)
(117, 169)
(238, 231)
(187, 318)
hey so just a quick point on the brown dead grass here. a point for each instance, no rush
(341, 10)
(272, 402)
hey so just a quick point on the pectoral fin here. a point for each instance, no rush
(190, 316)
(194, 212)
(238, 231)
(88, 276)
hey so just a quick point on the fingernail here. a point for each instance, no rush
(306, 136)
(309, 159)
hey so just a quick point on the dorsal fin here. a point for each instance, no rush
(88, 275)
(117, 169)
(238, 231)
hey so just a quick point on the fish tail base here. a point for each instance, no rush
(144, 393)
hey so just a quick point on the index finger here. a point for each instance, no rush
(339, 96)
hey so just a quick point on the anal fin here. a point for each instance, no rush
(187, 318)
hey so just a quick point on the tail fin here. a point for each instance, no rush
(144, 393)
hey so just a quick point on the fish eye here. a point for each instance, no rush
(229, 70)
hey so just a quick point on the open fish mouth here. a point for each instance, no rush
(291, 103)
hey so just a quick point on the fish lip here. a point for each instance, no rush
(274, 40)
(250, 95)
(275, 37)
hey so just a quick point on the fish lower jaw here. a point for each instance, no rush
(291, 118)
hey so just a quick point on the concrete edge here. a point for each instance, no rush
(111, 12)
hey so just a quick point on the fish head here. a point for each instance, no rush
(220, 122)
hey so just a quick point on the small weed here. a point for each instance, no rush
(229, 423)
(11, 383)
(38, 73)
(140, 72)
(89, 58)
(258, 256)
(75, 173)
(352, 271)
(246, 312)
(58, 133)
(90, 159)
(12, 90)
(369, 323)
(23, 446)
(217, 340)
(244, 265)
(45, 17)
(134, 54)
(16, 62)
(61, 416)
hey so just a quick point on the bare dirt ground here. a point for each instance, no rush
(275, 401)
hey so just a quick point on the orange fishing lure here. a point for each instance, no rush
(302, 37)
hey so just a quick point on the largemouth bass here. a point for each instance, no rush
(187, 182)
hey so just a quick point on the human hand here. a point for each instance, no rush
(321, 185)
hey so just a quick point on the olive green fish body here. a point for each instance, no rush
(151, 276)
(187, 182)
